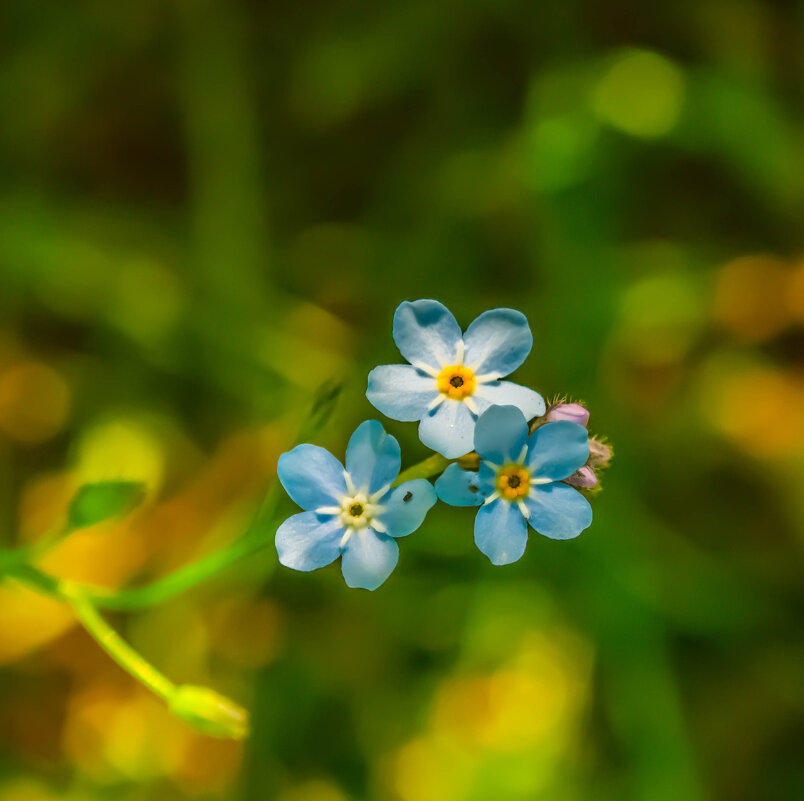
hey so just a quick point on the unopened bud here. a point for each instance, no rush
(573, 412)
(599, 453)
(584, 478)
(209, 712)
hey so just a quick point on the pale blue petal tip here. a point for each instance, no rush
(373, 457)
(557, 450)
(498, 341)
(501, 532)
(368, 559)
(312, 476)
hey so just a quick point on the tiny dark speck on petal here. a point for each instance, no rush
(408, 496)
(472, 488)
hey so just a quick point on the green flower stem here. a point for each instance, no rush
(151, 594)
(256, 537)
(424, 469)
(200, 707)
(114, 645)
(183, 579)
(34, 577)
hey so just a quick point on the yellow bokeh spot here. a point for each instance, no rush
(760, 408)
(107, 560)
(29, 620)
(456, 382)
(795, 294)
(315, 790)
(524, 704)
(751, 300)
(121, 449)
(208, 767)
(641, 94)
(431, 768)
(43, 504)
(525, 712)
(34, 402)
(510, 710)
(27, 789)
(113, 733)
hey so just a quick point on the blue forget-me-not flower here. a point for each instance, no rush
(520, 482)
(453, 377)
(351, 513)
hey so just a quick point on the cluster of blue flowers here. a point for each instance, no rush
(529, 459)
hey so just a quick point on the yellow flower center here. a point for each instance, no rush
(513, 482)
(456, 382)
(356, 511)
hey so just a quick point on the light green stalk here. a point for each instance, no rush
(201, 707)
(114, 645)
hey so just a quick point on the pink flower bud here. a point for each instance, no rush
(573, 412)
(584, 478)
(599, 453)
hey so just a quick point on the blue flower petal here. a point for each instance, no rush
(368, 558)
(373, 458)
(406, 506)
(498, 341)
(448, 429)
(501, 434)
(425, 331)
(400, 391)
(488, 478)
(459, 487)
(557, 450)
(501, 532)
(558, 511)
(312, 476)
(307, 541)
(506, 393)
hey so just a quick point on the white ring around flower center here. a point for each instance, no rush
(519, 462)
(459, 361)
(357, 509)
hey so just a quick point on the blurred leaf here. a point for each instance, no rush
(321, 409)
(94, 503)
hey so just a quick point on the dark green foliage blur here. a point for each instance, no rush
(210, 209)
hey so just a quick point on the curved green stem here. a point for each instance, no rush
(158, 591)
(200, 707)
(180, 580)
(256, 537)
(114, 645)
(424, 469)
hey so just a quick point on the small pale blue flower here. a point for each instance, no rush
(351, 513)
(520, 482)
(453, 377)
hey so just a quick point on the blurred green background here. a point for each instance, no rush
(208, 209)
